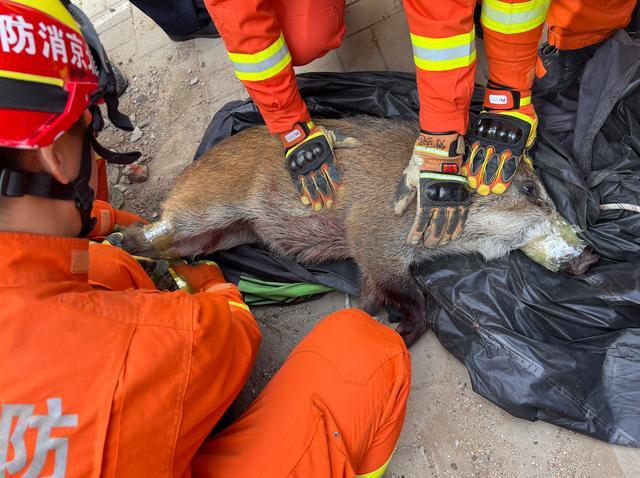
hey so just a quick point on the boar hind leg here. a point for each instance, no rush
(401, 292)
(187, 236)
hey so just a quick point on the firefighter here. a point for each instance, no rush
(103, 374)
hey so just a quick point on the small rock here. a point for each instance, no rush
(169, 57)
(116, 197)
(114, 174)
(136, 173)
(454, 466)
(132, 117)
(136, 135)
(203, 64)
(194, 81)
(142, 99)
(144, 122)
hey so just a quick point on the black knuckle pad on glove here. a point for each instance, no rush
(322, 184)
(478, 159)
(334, 172)
(439, 223)
(509, 168)
(309, 156)
(503, 132)
(454, 220)
(491, 169)
(311, 186)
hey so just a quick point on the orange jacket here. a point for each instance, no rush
(100, 377)
(254, 32)
(254, 40)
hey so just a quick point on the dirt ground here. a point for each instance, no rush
(449, 431)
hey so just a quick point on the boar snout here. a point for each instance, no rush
(581, 264)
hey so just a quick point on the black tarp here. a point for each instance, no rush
(539, 344)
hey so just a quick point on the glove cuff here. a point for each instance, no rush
(440, 153)
(297, 135)
(499, 97)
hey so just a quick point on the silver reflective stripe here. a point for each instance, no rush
(264, 64)
(512, 18)
(444, 53)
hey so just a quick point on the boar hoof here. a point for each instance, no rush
(411, 330)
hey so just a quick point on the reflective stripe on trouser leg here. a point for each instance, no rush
(508, 18)
(376, 473)
(441, 54)
(263, 64)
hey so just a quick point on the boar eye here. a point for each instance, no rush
(529, 189)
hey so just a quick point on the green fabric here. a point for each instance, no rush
(259, 292)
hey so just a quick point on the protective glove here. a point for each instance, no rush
(312, 165)
(498, 140)
(198, 276)
(443, 196)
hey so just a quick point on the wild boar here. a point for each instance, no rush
(240, 192)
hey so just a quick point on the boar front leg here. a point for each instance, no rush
(401, 291)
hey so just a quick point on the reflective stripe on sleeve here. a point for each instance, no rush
(242, 305)
(440, 54)
(262, 65)
(512, 18)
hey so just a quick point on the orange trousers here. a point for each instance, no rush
(335, 409)
(575, 24)
(443, 35)
(252, 28)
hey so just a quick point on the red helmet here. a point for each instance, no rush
(47, 75)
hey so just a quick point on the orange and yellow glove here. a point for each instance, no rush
(312, 165)
(442, 195)
(198, 276)
(499, 140)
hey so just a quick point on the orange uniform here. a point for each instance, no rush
(443, 38)
(104, 375)
(575, 24)
(266, 38)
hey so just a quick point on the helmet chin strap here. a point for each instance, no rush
(17, 183)
(83, 194)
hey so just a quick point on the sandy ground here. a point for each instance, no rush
(449, 431)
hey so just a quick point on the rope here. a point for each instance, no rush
(620, 205)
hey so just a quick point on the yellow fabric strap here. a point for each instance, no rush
(47, 80)
(376, 473)
(510, 18)
(441, 54)
(53, 8)
(263, 64)
(526, 100)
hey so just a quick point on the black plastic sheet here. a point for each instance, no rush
(541, 345)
